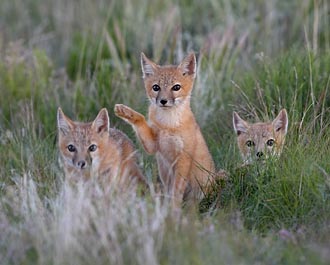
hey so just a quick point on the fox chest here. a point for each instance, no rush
(170, 146)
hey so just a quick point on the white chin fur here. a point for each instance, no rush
(171, 116)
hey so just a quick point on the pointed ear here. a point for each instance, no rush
(64, 124)
(280, 123)
(188, 65)
(240, 125)
(148, 67)
(101, 122)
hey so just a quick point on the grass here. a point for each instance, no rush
(254, 57)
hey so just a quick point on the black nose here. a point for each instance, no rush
(260, 154)
(81, 164)
(163, 102)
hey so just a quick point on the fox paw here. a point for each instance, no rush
(128, 114)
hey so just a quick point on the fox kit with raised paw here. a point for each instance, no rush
(94, 150)
(172, 133)
(258, 141)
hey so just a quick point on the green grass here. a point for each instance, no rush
(254, 57)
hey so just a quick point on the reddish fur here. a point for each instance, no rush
(259, 133)
(115, 156)
(172, 133)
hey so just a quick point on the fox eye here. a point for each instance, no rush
(270, 142)
(176, 87)
(92, 148)
(155, 88)
(250, 143)
(71, 148)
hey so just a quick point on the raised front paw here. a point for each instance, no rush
(128, 114)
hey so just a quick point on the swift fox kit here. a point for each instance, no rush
(172, 133)
(95, 150)
(260, 140)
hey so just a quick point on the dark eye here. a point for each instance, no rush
(270, 142)
(249, 143)
(176, 87)
(71, 148)
(92, 148)
(156, 88)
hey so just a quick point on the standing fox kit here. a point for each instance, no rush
(257, 141)
(95, 150)
(172, 133)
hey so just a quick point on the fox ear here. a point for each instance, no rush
(240, 125)
(280, 123)
(101, 122)
(188, 65)
(64, 124)
(148, 67)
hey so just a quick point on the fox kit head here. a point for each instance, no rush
(169, 86)
(80, 144)
(258, 141)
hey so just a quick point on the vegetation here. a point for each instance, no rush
(254, 57)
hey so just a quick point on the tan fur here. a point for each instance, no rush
(114, 158)
(172, 133)
(258, 141)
